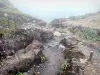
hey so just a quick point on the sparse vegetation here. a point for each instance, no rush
(81, 17)
(4, 21)
(74, 17)
(43, 58)
(90, 34)
(22, 50)
(19, 73)
(72, 55)
(64, 68)
(86, 33)
(8, 26)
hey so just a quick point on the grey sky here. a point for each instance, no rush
(50, 9)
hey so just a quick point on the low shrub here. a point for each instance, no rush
(19, 73)
(86, 33)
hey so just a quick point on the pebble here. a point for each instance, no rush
(38, 72)
(38, 66)
(34, 65)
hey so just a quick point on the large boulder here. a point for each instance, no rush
(69, 42)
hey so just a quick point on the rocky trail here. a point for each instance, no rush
(54, 59)
(64, 46)
(52, 51)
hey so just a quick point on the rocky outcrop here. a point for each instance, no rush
(22, 60)
(19, 50)
(69, 42)
(21, 38)
(22, 44)
(58, 23)
(73, 56)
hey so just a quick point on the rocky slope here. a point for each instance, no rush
(21, 43)
(67, 45)
(86, 30)
(11, 18)
(91, 20)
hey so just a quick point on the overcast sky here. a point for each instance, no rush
(50, 9)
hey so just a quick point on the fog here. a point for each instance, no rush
(50, 9)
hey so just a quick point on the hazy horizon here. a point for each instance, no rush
(50, 9)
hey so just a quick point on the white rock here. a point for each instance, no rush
(56, 33)
(83, 61)
(62, 47)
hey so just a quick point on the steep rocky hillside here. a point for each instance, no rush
(6, 6)
(21, 43)
(91, 20)
(5, 3)
(85, 27)
(86, 31)
(67, 46)
(11, 18)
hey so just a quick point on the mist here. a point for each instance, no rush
(51, 9)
